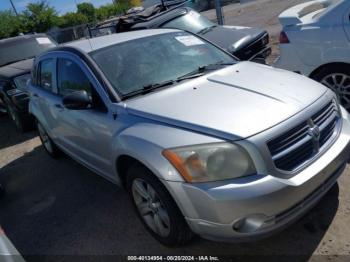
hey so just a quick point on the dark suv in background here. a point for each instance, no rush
(16, 60)
(245, 43)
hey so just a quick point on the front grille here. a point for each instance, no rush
(293, 148)
(252, 49)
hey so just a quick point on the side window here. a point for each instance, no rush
(71, 78)
(47, 68)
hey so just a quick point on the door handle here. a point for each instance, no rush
(35, 95)
(59, 106)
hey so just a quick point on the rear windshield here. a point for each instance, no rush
(324, 7)
(23, 48)
(192, 22)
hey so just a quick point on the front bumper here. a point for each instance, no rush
(254, 207)
(261, 56)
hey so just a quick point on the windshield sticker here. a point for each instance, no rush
(189, 40)
(43, 41)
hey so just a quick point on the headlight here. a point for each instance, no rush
(211, 162)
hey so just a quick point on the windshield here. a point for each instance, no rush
(23, 48)
(22, 81)
(132, 65)
(192, 22)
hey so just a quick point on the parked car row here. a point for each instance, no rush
(201, 146)
(243, 42)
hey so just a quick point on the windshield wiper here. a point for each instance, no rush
(206, 29)
(196, 73)
(201, 69)
(148, 88)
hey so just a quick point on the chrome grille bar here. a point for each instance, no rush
(296, 146)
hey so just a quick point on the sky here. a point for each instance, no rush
(62, 6)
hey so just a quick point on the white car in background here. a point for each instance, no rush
(315, 41)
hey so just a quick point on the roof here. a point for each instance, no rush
(89, 45)
(20, 38)
(16, 69)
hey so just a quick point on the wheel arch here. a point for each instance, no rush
(324, 66)
(123, 163)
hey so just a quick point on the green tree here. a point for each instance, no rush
(88, 10)
(72, 19)
(38, 17)
(9, 24)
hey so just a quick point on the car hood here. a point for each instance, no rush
(233, 38)
(17, 68)
(233, 103)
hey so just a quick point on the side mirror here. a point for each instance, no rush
(78, 100)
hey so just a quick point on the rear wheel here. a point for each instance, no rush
(46, 141)
(337, 78)
(156, 208)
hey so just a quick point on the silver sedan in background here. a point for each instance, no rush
(204, 144)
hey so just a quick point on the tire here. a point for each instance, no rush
(337, 78)
(22, 123)
(47, 142)
(159, 207)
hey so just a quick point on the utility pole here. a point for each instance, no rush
(14, 8)
(219, 14)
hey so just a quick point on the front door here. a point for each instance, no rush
(85, 134)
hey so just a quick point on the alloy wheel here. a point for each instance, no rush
(151, 207)
(340, 84)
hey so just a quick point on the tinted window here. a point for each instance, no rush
(192, 22)
(47, 69)
(71, 78)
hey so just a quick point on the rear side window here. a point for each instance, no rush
(71, 78)
(47, 68)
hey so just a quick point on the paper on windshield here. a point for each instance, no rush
(43, 41)
(189, 40)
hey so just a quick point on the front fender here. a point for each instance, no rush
(146, 141)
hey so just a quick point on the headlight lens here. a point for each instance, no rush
(211, 162)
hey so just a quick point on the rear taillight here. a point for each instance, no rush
(284, 38)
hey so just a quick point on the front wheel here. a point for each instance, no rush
(156, 208)
(337, 78)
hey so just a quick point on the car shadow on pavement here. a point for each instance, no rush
(9, 136)
(57, 207)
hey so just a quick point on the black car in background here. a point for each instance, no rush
(245, 43)
(16, 60)
(198, 5)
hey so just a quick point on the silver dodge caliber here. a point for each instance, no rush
(203, 143)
